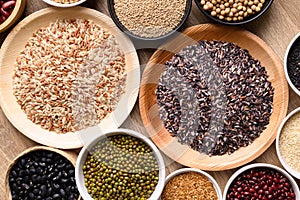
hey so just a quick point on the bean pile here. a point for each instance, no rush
(232, 10)
(43, 175)
(6, 8)
(293, 64)
(214, 97)
(261, 183)
(189, 185)
(121, 167)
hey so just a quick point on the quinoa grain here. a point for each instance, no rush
(150, 18)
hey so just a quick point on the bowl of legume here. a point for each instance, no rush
(190, 183)
(288, 142)
(233, 12)
(120, 164)
(261, 181)
(42, 173)
(149, 20)
(11, 11)
(64, 3)
(292, 64)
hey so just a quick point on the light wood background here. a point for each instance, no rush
(277, 27)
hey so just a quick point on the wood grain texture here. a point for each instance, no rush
(15, 43)
(276, 27)
(149, 109)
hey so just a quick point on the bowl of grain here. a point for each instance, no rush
(127, 162)
(288, 142)
(261, 181)
(64, 3)
(189, 182)
(149, 20)
(292, 64)
(11, 11)
(232, 12)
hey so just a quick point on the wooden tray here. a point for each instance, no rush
(149, 109)
(16, 41)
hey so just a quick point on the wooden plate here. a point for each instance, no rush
(149, 109)
(71, 156)
(16, 41)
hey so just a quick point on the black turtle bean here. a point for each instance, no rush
(43, 175)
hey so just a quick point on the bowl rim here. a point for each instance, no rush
(259, 165)
(207, 175)
(61, 5)
(293, 172)
(287, 52)
(265, 8)
(139, 38)
(14, 16)
(83, 153)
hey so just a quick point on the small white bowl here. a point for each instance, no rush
(84, 152)
(64, 5)
(293, 172)
(285, 64)
(186, 170)
(259, 165)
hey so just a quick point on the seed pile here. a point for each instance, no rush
(232, 10)
(261, 183)
(150, 18)
(214, 97)
(189, 185)
(293, 64)
(43, 175)
(121, 167)
(70, 75)
(289, 142)
(65, 1)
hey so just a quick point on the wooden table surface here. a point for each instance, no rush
(277, 27)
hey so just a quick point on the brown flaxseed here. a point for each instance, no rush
(191, 185)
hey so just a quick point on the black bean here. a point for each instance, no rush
(62, 192)
(36, 191)
(56, 196)
(31, 195)
(43, 190)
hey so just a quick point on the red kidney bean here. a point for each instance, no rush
(9, 4)
(4, 13)
(260, 184)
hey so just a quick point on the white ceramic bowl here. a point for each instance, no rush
(62, 5)
(282, 161)
(259, 165)
(185, 170)
(84, 152)
(285, 64)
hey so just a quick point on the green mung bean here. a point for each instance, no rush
(120, 167)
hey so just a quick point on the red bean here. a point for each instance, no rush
(260, 184)
(4, 12)
(9, 4)
(2, 19)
